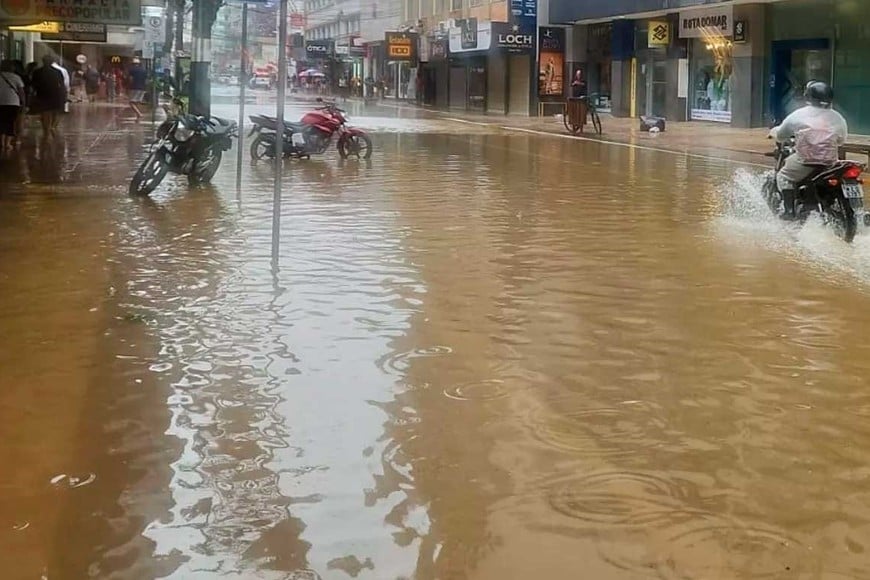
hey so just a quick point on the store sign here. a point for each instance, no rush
(78, 32)
(297, 21)
(342, 49)
(659, 33)
(741, 31)
(509, 37)
(437, 49)
(125, 12)
(707, 22)
(357, 46)
(318, 49)
(523, 19)
(708, 115)
(49, 27)
(401, 46)
(483, 39)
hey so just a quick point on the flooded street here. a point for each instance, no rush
(483, 355)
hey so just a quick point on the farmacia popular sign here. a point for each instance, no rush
(126, 12)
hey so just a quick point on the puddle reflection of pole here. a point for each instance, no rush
(242, 80)
(279, 140)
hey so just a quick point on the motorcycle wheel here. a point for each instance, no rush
(262, 148)
(841, 217)
(149, 175)
(203, 170)
(358, 145)
(771, 194)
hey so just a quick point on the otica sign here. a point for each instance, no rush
(318, 48)
(512, 38)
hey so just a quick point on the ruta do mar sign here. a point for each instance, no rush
(126, 12)
(401, 46)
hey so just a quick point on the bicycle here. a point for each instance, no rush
(573, 117)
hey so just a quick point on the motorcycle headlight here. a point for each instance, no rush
(182, 133)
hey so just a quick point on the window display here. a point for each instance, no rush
(712, 66)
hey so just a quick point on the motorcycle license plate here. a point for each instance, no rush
(853, 191)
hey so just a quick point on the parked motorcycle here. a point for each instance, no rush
(186, 144)
(312, 135)
(834, 191)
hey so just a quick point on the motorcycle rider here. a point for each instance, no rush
(818, 130)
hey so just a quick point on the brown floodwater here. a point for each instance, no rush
(484, 355)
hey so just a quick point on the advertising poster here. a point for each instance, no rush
(551, 67)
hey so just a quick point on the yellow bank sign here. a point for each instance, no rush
(659, 33)
(30, 12)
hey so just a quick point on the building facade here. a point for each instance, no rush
(738, 63)
(477, 55)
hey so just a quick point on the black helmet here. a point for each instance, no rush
(819, 94)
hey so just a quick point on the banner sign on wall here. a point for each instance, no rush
(126, 12)
(707, 22)
(523, 19)
(468, 31)
(78, 32)
(551, 68)
(483, 36)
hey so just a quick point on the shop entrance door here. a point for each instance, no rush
(652, 85)
(796, 62)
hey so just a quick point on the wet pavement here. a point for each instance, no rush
(482, 355)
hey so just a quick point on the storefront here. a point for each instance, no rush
(491, 66)
(469, 45)
(401, 59)
(599, 63)
(819, 40)
(436, 72)
(711, 62)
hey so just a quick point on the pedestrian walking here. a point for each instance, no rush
(50, 95)
(55, 62)
(138, 80)
(11, 102)
(109, 78)
(92, 83)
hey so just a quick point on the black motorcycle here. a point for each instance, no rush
(265, 128)
(188, 145)
(834, 191)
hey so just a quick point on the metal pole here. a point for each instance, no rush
(279, 142)
(242, 76)
(153, 85)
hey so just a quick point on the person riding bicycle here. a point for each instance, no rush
(818, 131)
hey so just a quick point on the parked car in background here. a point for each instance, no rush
(261, 82)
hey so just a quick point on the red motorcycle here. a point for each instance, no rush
(312, 135)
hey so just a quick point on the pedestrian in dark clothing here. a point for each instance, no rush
(578, 85)
(92, 83)
(49, 94)
(11, 101)
(138, 78)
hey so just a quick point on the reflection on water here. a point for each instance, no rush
(478, 356)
